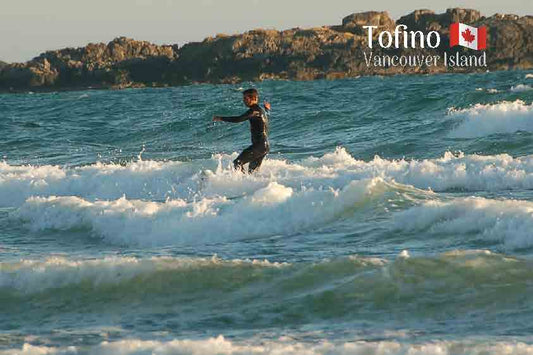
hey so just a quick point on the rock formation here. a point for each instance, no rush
(297, 54)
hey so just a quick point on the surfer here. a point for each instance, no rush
(258, 118)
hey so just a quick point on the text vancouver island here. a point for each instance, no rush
(415, 39)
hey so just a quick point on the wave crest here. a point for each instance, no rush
(274, 209)
(158, 181)
(507, 221)
(483, 120)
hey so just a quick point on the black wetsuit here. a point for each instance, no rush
(260, 147)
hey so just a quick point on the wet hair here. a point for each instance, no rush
(251, 92)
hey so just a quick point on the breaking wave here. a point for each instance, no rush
(141, 179)
(507, 221)
(521, 88)
(483, 120)
(212, 178)
(274, 209)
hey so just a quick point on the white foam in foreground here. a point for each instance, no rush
(507, 221)
(153, 180)
(466, 172)
(483, 120)
(283, 346)
(274, 209)
(140, 179)
(336, 169)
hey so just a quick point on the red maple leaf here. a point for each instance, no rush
(468, 36)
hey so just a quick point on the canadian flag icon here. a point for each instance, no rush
(468, 36)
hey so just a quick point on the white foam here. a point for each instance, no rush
(153, 180)
(141, 179)
(404, 254)
(489, 90)
(507, 221)
(529, 76)
(283, 345)
(31, 276)
(336, 169)
(521, 88)
(482, 120)
(274, 209)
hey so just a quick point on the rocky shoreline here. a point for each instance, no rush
(328, 52)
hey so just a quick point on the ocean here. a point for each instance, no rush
(394, 215)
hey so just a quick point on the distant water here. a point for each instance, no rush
(394, 215)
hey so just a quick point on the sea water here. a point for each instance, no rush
(394, 215)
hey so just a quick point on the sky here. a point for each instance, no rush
(30, 27)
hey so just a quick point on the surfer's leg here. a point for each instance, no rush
(246, 156)
(256, 164)
(260, 152)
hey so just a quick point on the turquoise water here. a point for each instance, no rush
(394, 215)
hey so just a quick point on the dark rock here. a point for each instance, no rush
(120, 63)
(355, 22)
(461, 15)
(427, 20)
(422, 20)
(510, 41)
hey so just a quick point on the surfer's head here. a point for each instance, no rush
(250, 97)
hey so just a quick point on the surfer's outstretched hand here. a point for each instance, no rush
(217, 119)
(267, 105)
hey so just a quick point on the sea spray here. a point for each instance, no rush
(155, 180)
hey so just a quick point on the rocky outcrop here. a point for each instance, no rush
(427, 20)
(510, 41)
(300, 54)
(122, 62)
(354, 22)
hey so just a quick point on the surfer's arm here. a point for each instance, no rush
(236, 119)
